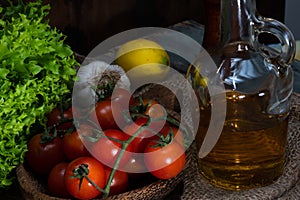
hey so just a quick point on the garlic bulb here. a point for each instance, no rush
(93, 76)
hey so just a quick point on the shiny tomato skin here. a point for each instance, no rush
(96, 172)
(135, 167)
(107, 150)
(123, 97)
(73, 146)
(164, 162)
(119, 183)
(41, 158)
(56, 181)
(150, 107)
(154, 109)
(143, 138)
(108, 114)
(55, 116)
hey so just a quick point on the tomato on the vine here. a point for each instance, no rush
(154, 109)
(44, 152)
(108, 147)
(170, 129)
(164, 160)
(148, 107)
(151, 109)
(123, 97)
(135, 167)
(63, 119)
(143, 138)
(84, 176)
(56, 181)
(73, 146)
(108, 114)
(119, 182)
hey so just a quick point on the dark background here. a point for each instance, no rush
(89, 22)
(292, 16)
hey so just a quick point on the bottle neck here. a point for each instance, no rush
(236, 17)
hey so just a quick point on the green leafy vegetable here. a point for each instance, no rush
(36, 69)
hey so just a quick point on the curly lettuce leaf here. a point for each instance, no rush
(36, 68)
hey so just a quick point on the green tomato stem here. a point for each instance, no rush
(127, 142)
(82, 172)
(118, 160)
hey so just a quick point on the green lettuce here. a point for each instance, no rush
(36, 71)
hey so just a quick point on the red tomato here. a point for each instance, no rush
(149, 107)
(42, 157)
(75, 177)
(73, 146)
(142, 139)
(177, 134)
(56, 116)
(107, 150)
(153, 110)
(135, 167)
(119, 183)
(123, 97)
(56, 181)
(109, 115)
(164, 162)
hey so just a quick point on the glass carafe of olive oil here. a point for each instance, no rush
(258, 80)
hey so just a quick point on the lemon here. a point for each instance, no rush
(143, 59)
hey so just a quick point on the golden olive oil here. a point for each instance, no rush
(251, 149)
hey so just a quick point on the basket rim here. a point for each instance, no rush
(32, 189)
(30, 186)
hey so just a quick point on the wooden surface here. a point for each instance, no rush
(89, 22)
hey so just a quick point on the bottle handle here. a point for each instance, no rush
(286, 52)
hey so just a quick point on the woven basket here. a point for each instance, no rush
(33, 188)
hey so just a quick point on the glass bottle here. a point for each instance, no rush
(250, 149)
